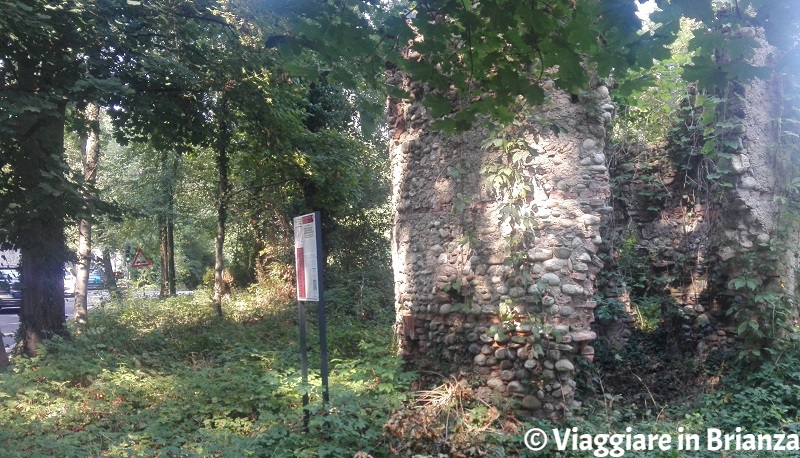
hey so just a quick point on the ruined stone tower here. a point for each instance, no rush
(492, 283)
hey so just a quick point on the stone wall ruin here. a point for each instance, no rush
(706, 232)
(516, 316)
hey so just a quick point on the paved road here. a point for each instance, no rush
(9, 318)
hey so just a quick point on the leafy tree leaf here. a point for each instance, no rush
(438, 104)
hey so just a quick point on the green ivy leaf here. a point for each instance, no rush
(447, 125)
(438, 104)
(742, 327)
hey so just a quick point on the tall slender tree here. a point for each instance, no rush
(90, 148)
(223, 189)
(169, 162)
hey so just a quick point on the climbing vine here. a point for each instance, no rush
(710, 166)
(768, 319)
(512, 182)
(763, 283)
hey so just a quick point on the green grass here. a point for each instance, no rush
(168, 378)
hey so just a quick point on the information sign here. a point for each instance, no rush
(305, 247)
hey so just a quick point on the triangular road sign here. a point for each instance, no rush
(140, 260)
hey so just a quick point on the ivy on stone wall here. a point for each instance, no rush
(710, 169)
(765, 309)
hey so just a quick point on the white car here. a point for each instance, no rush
(69, 283)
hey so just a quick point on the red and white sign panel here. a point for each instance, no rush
(140, 260)
(305, 249)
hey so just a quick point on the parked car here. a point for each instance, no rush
(97, 279)
(10, 291)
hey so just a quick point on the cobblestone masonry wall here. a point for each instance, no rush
(461, 308)
(698, 239)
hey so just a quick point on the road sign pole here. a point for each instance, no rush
(301, 307)
(323, 338)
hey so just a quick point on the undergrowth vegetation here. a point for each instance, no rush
(169, 378)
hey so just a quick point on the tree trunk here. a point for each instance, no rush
(171, 253)
(219, 261)
(4, 362)
(42, 310)
(39, 231)
(43, 244)
(164, 290)
(223, 141)
(169, 174)
(111, 280)
(90, 144)
(82, 272)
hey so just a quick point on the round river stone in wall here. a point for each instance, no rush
(572, 290)
(551, 279)
(748, 183)
(494, 383)
(554, 264)
(540, 254)
(516, 387)
(563, 253)
(564, 365)
(531, 402)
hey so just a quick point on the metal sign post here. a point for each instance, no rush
(323, 335)
(301, 307)
(309, 264)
